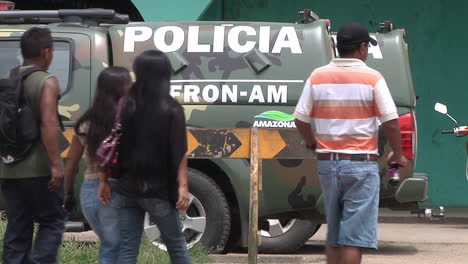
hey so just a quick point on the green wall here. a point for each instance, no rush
(436, 33)
(181, 10)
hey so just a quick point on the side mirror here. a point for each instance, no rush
(441, 108)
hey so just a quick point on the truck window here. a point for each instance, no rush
(10, 56)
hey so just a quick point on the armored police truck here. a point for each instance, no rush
(226, 75)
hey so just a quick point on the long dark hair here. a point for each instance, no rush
(147, 116)
(111, 85)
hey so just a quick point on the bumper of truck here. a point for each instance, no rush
(413, 189)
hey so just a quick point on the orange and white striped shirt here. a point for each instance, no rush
(346, 98)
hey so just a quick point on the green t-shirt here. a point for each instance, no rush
(37, 163)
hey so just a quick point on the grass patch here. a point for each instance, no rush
(76, 252)
(73, 252)
(150, 254)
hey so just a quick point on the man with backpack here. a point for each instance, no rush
(31, 170)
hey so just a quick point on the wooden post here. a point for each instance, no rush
(253, 212)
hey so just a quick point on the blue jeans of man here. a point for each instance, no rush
(351, 198)
(28, 201)
(166, 217)
(104, 220)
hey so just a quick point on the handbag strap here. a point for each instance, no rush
(118, 112)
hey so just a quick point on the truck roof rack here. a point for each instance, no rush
(86, 17)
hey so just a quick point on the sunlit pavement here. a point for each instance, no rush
(403, 238)
(399, 243)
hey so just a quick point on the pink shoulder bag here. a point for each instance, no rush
(107, 154)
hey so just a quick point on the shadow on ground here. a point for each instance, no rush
(311, 249)
(392, 249)
(384, 249)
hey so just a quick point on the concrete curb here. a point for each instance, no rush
(88, 236)
(243, 258)
(416, 220)
(453, 215)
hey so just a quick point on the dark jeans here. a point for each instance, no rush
(28, 201)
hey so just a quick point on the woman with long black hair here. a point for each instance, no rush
(90, 130)
(153, 160)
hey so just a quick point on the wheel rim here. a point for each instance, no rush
(193, 222)
(277, 228)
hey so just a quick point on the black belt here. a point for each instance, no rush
(344, 156)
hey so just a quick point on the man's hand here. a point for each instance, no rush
(57, 178)
(104, 193)
(398, 159)
(184, 198)
(392, 133)
(69, 202)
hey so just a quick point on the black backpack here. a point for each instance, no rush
(19, 127)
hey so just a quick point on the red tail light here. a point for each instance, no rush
(408, 135)
(6, 5)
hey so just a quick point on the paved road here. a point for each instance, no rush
(399, 243)
(415, 243)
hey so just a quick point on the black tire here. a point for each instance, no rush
(218, 216)
(290, 241)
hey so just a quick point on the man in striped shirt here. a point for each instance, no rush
(346, 99)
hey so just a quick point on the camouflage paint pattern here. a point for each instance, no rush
(313, 38)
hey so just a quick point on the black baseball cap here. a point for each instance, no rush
(351, 35)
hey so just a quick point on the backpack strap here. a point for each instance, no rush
(15, 73)
(20, 76)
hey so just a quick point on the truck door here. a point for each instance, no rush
(71, 66)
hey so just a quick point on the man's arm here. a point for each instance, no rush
(393, 135)
(302, 115)
(49, 130)
(388, 115)
(306, 132)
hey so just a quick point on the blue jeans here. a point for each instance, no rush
(166, 217)
(103, 219)
(351, 196)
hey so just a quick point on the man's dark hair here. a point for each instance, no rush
(346, 51)
(34, 40)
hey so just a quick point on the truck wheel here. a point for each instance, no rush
(286, 236)
(208, 208)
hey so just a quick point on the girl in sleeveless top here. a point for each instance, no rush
(90, 130)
